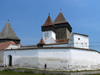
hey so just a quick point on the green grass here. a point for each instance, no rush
(9, 72)
(55, 71)
(27, 72)
(28, 69)
(92, 74)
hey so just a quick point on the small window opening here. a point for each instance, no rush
(78, 38)
(85, 43)
(82, 44)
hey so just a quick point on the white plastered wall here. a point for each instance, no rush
(37, 58)
(11, 46)
(79, 41)
(22, 58)
(84, 60)
(50, 38)
(82, 43)
(56, 59)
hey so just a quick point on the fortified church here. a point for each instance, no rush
(57, 47)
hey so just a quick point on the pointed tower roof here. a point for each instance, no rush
(8, 32)
(48, 22)
(60, 19)
(41, 41)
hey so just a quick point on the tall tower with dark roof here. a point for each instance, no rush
(49, 29)
(63, 28)
(8, 34)
(48, 25)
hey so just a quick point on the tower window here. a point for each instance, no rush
(78, 38)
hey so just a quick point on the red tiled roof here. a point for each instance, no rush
(19, 44)
(62, 41)
(41, 41)
(4, 45)
(48, 22)
(60, 19)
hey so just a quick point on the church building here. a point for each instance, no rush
(59, 30)
(61, 50)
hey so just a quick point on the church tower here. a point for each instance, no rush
(63, 28)
(8, 34)
(49, 31)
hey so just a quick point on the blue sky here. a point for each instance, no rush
(27, 16)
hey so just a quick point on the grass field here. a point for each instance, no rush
(9, 72)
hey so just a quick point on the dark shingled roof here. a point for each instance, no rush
(41, 41)
(48, 22)
(8, 32)
(60, 19)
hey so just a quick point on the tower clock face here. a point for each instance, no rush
(46, 34)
